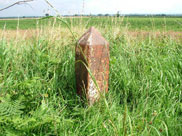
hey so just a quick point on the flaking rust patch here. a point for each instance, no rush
(89, 40)
(93, 93)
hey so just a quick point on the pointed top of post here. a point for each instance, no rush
(92, 38)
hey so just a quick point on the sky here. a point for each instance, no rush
(71, 7)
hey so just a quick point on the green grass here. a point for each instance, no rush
(22, 23)
(132, 23)
(38, 93)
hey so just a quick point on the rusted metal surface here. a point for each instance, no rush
(92, 65)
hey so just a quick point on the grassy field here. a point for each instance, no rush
(37, 80)
(132, 23)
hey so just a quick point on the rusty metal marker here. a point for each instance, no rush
(92, 65)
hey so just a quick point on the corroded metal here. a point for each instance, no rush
(92, 65)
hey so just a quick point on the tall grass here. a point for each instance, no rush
(38, 93)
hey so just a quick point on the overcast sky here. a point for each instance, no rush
(39, 7)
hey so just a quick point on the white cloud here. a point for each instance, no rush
(4, 2)
(132, 6)
(68, 6)
(32, 9)
(94, 6)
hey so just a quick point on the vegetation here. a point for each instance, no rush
(37, 80)
(132, 23)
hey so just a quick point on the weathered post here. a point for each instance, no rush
(92, 65)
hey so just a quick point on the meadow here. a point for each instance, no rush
(132, 23)
(37, 78)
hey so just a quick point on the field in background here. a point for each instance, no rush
(37, 79)
(132, 23)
